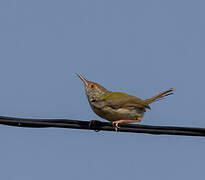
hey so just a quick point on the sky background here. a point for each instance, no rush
(139, 47)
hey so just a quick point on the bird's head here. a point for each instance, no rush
(94, 91)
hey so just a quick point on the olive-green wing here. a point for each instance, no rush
(118, 100)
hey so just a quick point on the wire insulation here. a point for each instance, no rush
(98, 125)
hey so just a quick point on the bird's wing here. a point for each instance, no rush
(118, 100)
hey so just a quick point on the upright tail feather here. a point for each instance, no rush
(159, 96)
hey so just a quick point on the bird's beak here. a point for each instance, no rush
(83, 79)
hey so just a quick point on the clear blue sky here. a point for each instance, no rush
(139, 47)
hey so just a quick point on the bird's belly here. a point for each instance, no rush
(111, 114)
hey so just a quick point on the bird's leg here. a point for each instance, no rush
(115, 123)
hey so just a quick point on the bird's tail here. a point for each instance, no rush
(159, 96)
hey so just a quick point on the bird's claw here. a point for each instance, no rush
(115, 124)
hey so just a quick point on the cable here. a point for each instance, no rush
(98, 125)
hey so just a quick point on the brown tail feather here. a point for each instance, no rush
(159, 96)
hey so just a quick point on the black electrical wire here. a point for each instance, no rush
(98, 125)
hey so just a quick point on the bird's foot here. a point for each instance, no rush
(91, 124)
(116, 123)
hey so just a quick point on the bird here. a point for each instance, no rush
(118, 107)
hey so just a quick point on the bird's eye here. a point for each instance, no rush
(92, 86)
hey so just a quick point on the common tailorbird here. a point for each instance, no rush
(118, 107)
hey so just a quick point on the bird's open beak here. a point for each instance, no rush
(83, 79)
